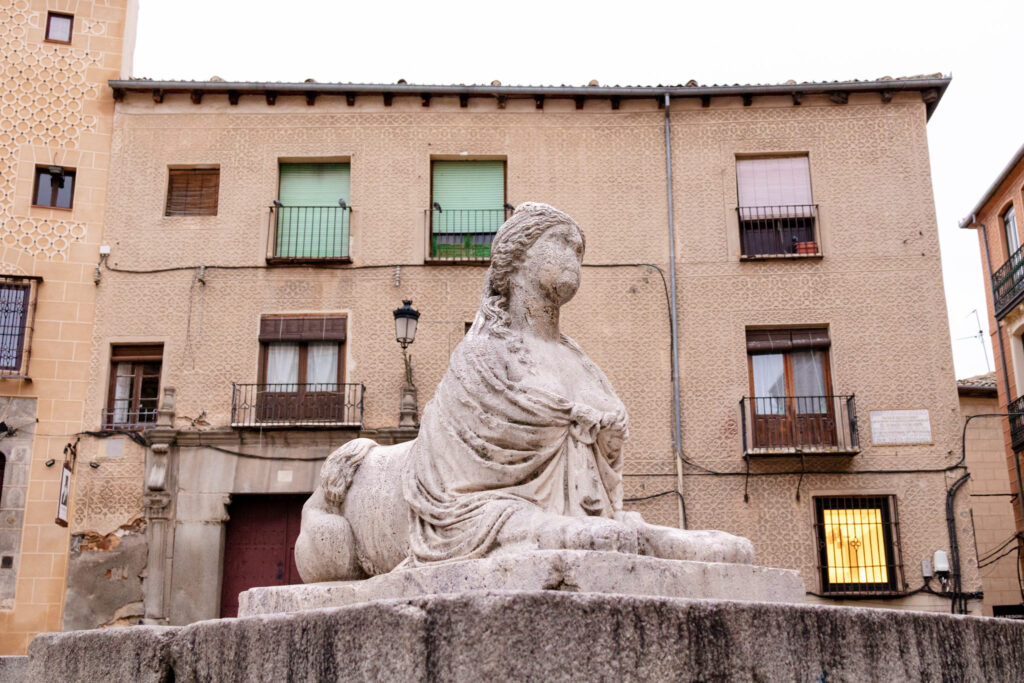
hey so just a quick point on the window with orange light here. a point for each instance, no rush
(857, 544)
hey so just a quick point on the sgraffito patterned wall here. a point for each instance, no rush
(878, 288)
(55, 109)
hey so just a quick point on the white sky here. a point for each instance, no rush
(972, 135)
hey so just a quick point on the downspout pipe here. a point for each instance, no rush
(970, 223)
(677, 425)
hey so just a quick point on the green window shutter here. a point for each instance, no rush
(472, 199)
(311, 224)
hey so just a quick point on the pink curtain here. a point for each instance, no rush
(774, 188)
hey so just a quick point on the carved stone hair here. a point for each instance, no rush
(529, 221)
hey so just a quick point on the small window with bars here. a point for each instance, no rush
(858, 544)
(134, 390)
(192, 191)
(17, 306)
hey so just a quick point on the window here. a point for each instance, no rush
(312, 212)
(58, 27)
(192, 191)
(17, 306)
(467, 208)
(302, 373)
(134, 391)
(54, 187)
(1010, 230)
(791, 404)
(776, 211)
(857, 543)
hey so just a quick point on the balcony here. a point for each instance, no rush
(308, 234)
(123, 419)
(463, 234)
(779, 231)
(1008, 284)
(1016, 423)
(799, 425)
(297, 405)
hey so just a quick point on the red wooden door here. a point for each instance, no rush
(259, 545)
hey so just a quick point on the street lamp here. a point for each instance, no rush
(406, 320)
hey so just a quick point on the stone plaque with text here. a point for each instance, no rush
(891, 427)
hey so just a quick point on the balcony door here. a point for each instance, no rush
(467, 208)
(302, 370)
(791, 388)
(311, 224)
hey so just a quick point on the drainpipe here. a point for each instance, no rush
(677, 428)
(968, 223)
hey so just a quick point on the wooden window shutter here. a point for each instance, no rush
(303, 328)
(778, 341)
(193, 191)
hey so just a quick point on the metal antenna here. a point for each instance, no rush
(980, 336)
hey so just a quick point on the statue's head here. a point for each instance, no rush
(554, 264)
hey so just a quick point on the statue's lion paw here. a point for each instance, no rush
(720, 546)
(596, 533)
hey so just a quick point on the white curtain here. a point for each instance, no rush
(282, 367)
(783, 183)
(769, 383)
(125, 375)
(809, 381)
(322, 365)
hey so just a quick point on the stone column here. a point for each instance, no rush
(158, 499)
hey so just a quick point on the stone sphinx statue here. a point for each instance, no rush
(521, 447)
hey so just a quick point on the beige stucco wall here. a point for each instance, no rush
(878, 287)
(992, 511)
(54, 109)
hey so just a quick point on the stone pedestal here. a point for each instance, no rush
(549, 636)
(559, 570)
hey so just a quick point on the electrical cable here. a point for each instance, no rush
(989, 553)
(1014, 549)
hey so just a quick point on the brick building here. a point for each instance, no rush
(261, 234)
(996, 218)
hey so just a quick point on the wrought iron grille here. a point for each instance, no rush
(1016, 423)
(778, 230)
(123, 419)
(794, 425)
(17, 310)
(309, 233)
(292, 405)
(858, 545)
(463, 234)
(1008, 284)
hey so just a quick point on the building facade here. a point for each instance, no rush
(779, 241)
(996, 218)
(991, 499)
(56, 119)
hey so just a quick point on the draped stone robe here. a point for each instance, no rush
(489, 447)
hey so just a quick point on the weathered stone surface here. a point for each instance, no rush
(563, 570)
(103, 584)
(137, 653)
(549, 635)
(13, 668)
(388, 642)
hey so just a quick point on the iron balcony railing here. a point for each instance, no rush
(795, 425)
(1016, 423)
(123, 419)
(296, 405)
(463, 234)
(789, 230)
(308, 233)
(1008, 284)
